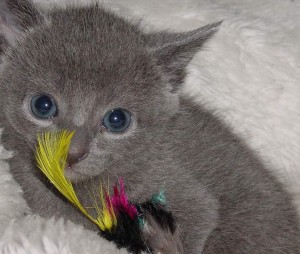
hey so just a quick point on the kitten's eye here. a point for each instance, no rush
(117, 120)
(43, 106)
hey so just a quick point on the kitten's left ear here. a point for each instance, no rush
(16, 16)
(174, 51)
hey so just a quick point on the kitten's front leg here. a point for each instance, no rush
(194, 208)
(196, 213)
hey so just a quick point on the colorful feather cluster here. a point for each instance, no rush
(51, 155)
(118, 219)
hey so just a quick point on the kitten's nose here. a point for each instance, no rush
(79, 148)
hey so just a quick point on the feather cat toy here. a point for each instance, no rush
(117, 218)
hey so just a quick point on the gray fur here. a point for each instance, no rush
(92, 61)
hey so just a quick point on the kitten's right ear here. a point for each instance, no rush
(174, 51)
(16, 16)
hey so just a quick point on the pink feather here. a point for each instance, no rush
(120, 202)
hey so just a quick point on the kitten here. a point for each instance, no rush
(88, 70)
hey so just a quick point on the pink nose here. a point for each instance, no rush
(79, 148)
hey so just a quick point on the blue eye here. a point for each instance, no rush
(43, 106)
(117, 120)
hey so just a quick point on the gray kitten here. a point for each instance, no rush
(88, 70)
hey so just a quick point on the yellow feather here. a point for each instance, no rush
(106, 218)
(51, 155)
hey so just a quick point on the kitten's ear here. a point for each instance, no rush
(174, 51)
(16, 16)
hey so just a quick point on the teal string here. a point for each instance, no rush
(159, 198)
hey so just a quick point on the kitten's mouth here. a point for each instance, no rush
(73, 175)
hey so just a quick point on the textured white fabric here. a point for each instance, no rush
(36, 235)
(248, 74)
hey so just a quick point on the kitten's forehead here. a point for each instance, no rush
(92, 38)
(87, 49)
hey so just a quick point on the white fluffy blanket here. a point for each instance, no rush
(249, 74)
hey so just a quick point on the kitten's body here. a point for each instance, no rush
(91, 61)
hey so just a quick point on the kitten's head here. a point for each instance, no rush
(85, 69)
